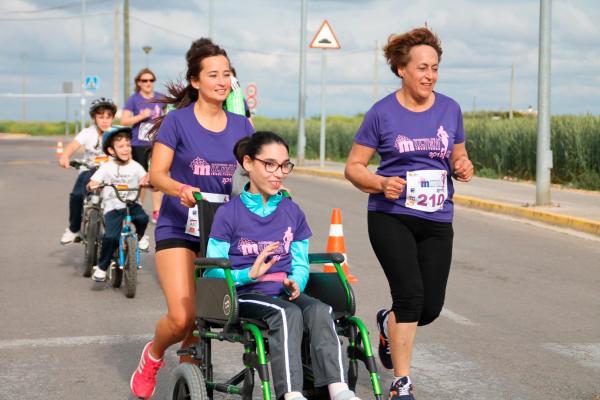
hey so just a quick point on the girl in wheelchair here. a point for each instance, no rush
(265, 236)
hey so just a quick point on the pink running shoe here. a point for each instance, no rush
(154, 217)
(143, 380)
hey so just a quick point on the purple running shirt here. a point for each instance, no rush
(136, 103)
(202, 159)
(249, 234)
(412, 141)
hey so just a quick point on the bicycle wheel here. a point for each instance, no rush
(187, 383)
(92, 236)
(130, 268)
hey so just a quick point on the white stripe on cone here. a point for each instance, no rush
(336, 230)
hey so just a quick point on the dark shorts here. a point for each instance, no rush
(140, 154)
(177, 243)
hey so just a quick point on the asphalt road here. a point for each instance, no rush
(522, 316)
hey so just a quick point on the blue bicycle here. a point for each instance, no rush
(128, 252)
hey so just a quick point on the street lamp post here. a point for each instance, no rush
(147, 50)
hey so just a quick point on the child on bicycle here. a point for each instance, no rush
(120, 170)
(102, 112)
(265, 236)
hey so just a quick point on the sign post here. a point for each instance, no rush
(324, 39)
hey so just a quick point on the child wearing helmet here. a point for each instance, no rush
(102, 112)
(121, 170)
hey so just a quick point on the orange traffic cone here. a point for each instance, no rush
(59, 149)
(335, 243)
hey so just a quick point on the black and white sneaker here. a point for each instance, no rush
(401, 389)
(385, 354)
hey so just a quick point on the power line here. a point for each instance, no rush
(58, 7)
(56, 18)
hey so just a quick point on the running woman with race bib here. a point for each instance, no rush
(420, 137)
(192, 152)
(141, 111)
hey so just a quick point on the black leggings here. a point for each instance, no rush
(415, 255)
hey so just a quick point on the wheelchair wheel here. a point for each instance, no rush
(187, 383)
(92, 236)
(130, 267)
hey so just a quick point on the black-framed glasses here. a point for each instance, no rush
(146, 80)
(272, 166)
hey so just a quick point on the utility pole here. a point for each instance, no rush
(544, 153)
(82, 102)
(375, 74)
(116, 57)
(23, 90)
(126, 52)
(302, 87)
(211, 19)
(511, 91)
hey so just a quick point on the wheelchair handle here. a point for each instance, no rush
(210, 263)
(322, 258)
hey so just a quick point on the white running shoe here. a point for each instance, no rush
(99, 275)
(144, 243)
(70, 237)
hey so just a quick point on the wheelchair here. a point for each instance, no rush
(218, 318)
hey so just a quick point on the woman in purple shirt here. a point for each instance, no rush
(192, 152)
(419, 135)
(140, 112)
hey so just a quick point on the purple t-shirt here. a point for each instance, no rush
(412, 141)
(136, 103)
(202, 159)
(249, 234)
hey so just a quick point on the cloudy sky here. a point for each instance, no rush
(481, 40)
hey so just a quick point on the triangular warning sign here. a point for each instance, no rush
(325, 38)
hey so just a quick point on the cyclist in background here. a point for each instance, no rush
(102, 112)
(123, 171)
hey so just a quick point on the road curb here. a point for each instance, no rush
(566, 221)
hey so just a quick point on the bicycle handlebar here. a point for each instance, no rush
(81, 164)
(117, 190)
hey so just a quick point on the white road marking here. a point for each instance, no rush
(457, 318)
(586, 354)
(73, 341)
(439, 371)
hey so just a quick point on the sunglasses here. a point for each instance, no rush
(146, 80)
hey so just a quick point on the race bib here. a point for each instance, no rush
(100, 159)
(192, 227)
(426, 190)
(144, 131)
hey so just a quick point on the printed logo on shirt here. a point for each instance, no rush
(250, 247)
(202, 167)
(437, 147)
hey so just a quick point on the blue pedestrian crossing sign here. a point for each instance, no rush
(91, 83)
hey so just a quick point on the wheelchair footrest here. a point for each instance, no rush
(190, 351)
